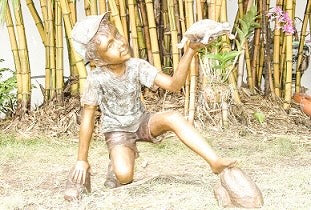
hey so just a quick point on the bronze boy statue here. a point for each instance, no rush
(115, 86)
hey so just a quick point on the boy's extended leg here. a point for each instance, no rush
(174, 121)
(123, 159)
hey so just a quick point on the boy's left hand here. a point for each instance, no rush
(80, 170)
(196, 45)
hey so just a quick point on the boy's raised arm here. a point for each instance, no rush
(175, 82)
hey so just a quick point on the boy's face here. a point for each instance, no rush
(113, 48)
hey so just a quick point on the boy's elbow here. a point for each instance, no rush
(175, 88)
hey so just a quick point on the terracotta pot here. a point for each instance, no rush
(305, 106)
(298, 97)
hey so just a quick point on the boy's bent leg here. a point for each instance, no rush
(174, 121)
(122, 159)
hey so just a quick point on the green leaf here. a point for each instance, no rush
(244, 26)
(260, 117)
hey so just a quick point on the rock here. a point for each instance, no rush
(222, 196)
(242, 190)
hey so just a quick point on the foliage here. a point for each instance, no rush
(8, 99)
(247, 25)
(223, 60)
(260, 117)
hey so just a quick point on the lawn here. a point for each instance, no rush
(167, 175)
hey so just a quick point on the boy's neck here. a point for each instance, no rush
(117, 69)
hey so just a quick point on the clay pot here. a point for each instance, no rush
(237, 189)
(305, 106)
(298, 97)
(304, 101)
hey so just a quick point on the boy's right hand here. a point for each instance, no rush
(79, 173)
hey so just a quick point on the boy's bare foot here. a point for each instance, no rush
(111, 180)
(219, 165)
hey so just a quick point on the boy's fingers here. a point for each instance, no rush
(74, 176)
(80, 174)
(83, 177)
(91, 171)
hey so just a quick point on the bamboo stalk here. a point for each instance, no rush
(59, 53)
(102, 6)
(116, 17)
(134, 39)
(212, 10)
(77, 59)
(146, 30)
(73, 10)
(177, 22)
(218, 9)
(140, 36)
(193, 66)
(250, 79)
(226, 47)
(14, 48)
(174, 35)
(289, 63)
(51, 44)
(23, 55)
(282, 63)
(261, 63)
(166, 37)
(301, 45)
(267, 40)
(93, 7)
(256, 49)
(37, 19)
(47, 78)
(188, 6)
(199, 10)
(153, 35)
(74, 87)
(87, 7)
(182, 16)
(124, 20)
(276, 55)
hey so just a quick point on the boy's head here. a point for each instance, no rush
(97, 40)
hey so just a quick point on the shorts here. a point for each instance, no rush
(129, 139)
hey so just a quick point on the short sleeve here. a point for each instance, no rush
(147, 73)
(92, 91)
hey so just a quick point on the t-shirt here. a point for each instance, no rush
(119, 97)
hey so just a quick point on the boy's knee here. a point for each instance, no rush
(173, 116)
(124, 174)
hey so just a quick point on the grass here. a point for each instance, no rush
(167, 176)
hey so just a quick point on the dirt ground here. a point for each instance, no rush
(167, 175)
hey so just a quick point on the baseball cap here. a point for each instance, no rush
(84, 30)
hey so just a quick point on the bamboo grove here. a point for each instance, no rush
(153, 28)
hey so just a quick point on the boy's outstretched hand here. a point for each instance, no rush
(79, 173)
(196, 45)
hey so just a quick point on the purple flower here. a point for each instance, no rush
(285, 22)
(287, 19)
(277, 10)
(288, 28)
